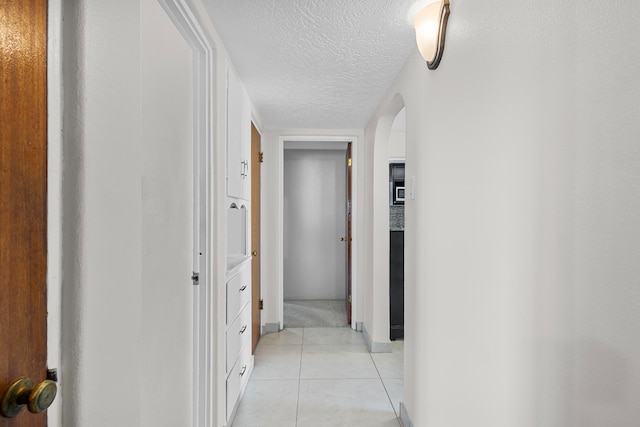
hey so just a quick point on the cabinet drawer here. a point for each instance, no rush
(237, 378)
(238, 293)
(237, 336)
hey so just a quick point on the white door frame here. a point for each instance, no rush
(305, 142)
(54, 201)
(203, 83)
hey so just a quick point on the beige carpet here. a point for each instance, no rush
(315, 314)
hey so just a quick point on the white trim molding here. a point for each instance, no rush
(270, 328)
(54, 202)
(375, 347)
(203, 131)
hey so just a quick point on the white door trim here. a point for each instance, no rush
(54, 201)
(302, 142)
(203, 83)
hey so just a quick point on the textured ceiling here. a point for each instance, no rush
(316, 63)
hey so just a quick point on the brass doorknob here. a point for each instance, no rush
(22, 392)
(254, 253)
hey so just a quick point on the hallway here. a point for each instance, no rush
(318, 377)
(522, 232)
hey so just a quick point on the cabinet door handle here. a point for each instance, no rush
(244, 369)
(244, 328)
(243, 288)
(245, 168)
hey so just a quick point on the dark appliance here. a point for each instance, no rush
(396, 285)
(396, 183)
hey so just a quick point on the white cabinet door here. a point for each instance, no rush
(245, 145)
(238, 139)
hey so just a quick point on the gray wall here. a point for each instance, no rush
(314, 221)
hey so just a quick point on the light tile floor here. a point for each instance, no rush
(322, 377)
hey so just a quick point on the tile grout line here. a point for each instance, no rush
(299, 377)
(310, 406)
(384, 387)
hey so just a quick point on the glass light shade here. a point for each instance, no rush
(430, 26)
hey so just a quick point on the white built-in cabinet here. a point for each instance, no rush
(238, 358)
(238, 139)
(238, 361)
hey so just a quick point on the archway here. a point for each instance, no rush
(378, 337)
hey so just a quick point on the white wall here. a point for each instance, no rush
(102, 209)
(126, 319)
(521, 308)
(605, 373)
(167, 121)
(398, 136)
(314, 221)
(397, 144)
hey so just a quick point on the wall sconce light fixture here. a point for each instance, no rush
(431, 27)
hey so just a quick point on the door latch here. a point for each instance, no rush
(195, 278)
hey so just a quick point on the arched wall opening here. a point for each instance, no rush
(377, 336)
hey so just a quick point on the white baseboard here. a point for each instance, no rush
(269, 328)
(375, 347)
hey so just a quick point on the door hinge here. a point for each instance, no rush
(261, 304)
(52, 375)
(195, 278)
(349, 298)
(261, 157)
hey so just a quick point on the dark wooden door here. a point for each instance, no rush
(23, 197)
(255, 236)
(349, 239)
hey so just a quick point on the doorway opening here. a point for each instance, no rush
(317, 233)
(396, 225)
(315, 228)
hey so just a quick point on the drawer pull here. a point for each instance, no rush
(244, 369)
(244, 328)
(243, 288)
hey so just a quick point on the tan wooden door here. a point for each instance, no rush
(255, 236)
(23, 198)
